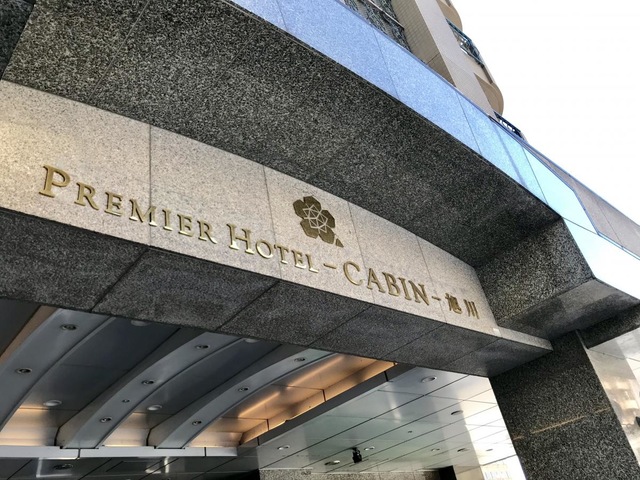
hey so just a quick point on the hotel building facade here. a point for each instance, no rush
(281, 238)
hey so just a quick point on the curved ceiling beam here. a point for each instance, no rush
(90, 427)
(181, 428)
(46, 339)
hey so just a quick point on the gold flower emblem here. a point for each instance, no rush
(316, 222)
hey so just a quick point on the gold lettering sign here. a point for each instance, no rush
(316, 223)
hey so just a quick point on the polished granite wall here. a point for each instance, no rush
(13, 18)
(560, 419)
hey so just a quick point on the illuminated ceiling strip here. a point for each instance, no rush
(90, 427)
(44, 342)
(180, 429)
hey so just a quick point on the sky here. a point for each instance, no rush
(569, 72)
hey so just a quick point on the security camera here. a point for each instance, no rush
(357, 456)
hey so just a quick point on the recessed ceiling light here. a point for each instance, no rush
(457, 412)
(435, 449)
(154, 408)
(202, 347)
(300, 359)
(68, 327)
(333, 462)
(428, 379)
(62, 466)
(148, 382)
(52, 403)
(105, 419)
(284, 447)
(23, 371)
(409, 431)
(489, 449)
(251, 340)
(243, 389)
(125, 400)
(196, 422)
(139, 323)
(369, 448)
(463, 449)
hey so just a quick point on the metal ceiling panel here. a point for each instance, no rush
(181, 428)
(73, 385)
(133, 467)
(408, 431)
(91, 427)
(293, 461)
(464, 389)
(8, 466)
(197, 380)
(33, 426)
(330, 371)
(121, 345)
(484, 417)
(374, 404)
(370, 429)
(49, 335)
(197, 464)
(457, 412)
(134, 430)
(320, 429)
(57, 469)
(420, 408)
(270, 401)
(487, 397)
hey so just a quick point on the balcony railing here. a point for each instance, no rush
(466, 44)
(507, 125)
(381, 15)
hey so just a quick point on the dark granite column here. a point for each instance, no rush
(560, 420)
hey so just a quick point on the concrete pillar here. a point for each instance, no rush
(560, 420)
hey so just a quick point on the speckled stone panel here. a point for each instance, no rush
(387, 331)
(214, 73)
(441, 346)
(50, 263)
(13, 17)
(560, 419)
(495, 358)
(49, 58)
(613, 327)
(294, 314)
(458, 201)
(578, 308)
(539, 268)
(180, 290)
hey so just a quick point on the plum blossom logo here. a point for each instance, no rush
(316, 222)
